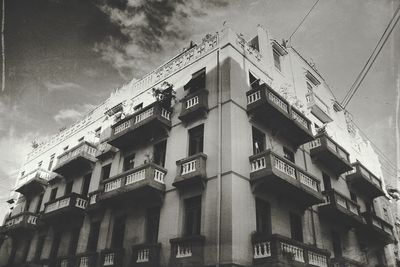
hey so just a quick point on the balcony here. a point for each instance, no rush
(191, 171)
(318, 107)
(340, 210)
(105, 151)
(345, 262)
(364, 182)
(34, 182)
(20, 223)
(146, 255)
(64, 209)
(276, 174)
(267, 106)
(280, 251)
(187, 251)
(194, 105)
(79, 158)
(145, 181)
(331, 155)
(377, 229)
(94, 203)
(111, 257)
(151, 122)
(88, 259)
(66, 261)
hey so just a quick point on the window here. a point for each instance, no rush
(288, 154)
(277, 59)
(73, 242)
(309, 87)
(27, 204)
(159, 153)
(54, 246)
(327, 181)
(40, 164)
(86, 184)
(197, 82)
(53, 194)
(192, 216)
(97, 132)
(65, 148)
(337, 244)
(129, 162)
(105, 171)
(296, 227)
(196, 136)
(93, 236)
(81, 139)
(253, 80)
(117, 240)
(39, 203)
(138, 107)
(258, 141)
(68, 188)
(22, 174)
(39, 247)
(152, 223)
(51, 162)
(263, 216)
(353, 196)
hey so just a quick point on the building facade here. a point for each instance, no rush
(247, 161)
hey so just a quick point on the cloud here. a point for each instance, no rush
(148, 28)
(72, 114)
(53, 87)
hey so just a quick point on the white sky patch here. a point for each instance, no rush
(53, 87)
(72, 114)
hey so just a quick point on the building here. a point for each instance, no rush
(254, 164)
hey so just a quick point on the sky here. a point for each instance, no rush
(63, 57)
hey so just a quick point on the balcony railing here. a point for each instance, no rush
(93, 202)
(318, 107)
(274, 248)
(326, 151)
(141, 126)
(268, 106)
(111, 257)
(194, 105)
(378, 229)
(341, 208)
(361, 179)
(191, 170)
(86, 259)
(80, 157)
(280, 174)
(105, 150)
(66, 261)
(34, 182)
(146, 255)
(66, 206)
(187, 251)
(21, 221)
(149, 175)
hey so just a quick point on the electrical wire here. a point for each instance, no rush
(3, 54)
(367, 66)
(301, 22)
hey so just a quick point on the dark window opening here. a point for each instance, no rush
(192, 216)
(296, 227)
(253, 80)
(129, 162)
(138, 107)
(263, 216)
(27, 204)
(117, 240)
(152, 224)
(93, 236)
(97, 132)
(86, 184)
(68, 188)
(337, 244)
(65, 148)
(39, 248)
(54, 246)
(196, 140)
(327, 181)
(81, 139)
(73, 242)
(105, 171)
(53, 194)
(39, 203)
(353, 196)
(258, 141)
(288, 154)
(51, 162)
(197, 82)
(277, 59)
(159, 153)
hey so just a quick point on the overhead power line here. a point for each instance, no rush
(301, 22)
(3, 55)
(378, 48)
